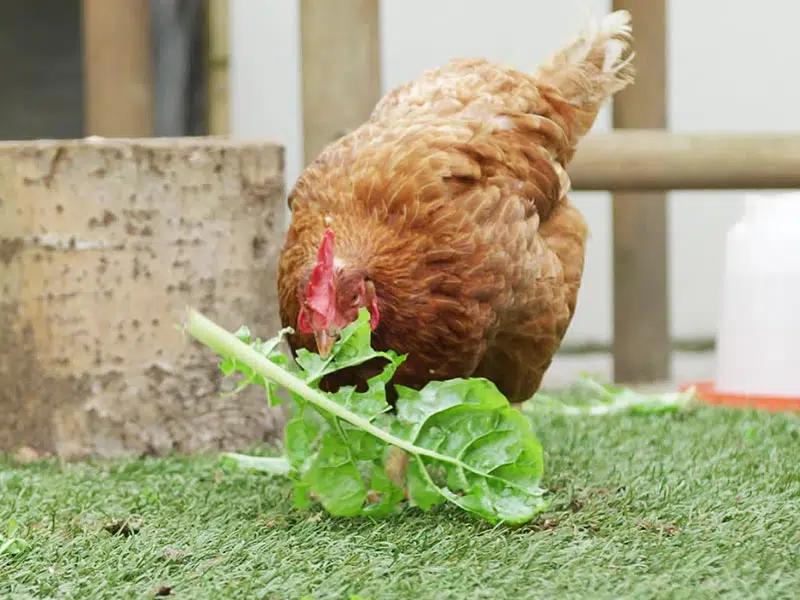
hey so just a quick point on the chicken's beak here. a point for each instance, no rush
(325, 342)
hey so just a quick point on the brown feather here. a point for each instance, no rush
(452, 200)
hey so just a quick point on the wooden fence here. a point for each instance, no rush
(340, 45)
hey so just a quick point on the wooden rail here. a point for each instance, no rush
(655, 160)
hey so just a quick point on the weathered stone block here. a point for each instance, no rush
(103, 243)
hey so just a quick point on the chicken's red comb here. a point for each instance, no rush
(320, 292)
(325, 252)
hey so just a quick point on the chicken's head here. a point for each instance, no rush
(332, 298)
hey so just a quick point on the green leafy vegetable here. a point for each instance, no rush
(275, 465)
(591, 398)
(10, 545)
(466, 444)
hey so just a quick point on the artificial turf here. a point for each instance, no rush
(704, 503)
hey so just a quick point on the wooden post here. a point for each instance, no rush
(641, 293)
(219, 67)
(118, 68)
(103, 244)
(340, 47)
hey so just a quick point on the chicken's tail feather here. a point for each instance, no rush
(595, 65)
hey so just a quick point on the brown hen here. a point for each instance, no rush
(446, 215)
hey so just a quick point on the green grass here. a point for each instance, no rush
(699, 504)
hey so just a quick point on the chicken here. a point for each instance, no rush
(446, 215)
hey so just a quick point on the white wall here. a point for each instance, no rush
(731, 69)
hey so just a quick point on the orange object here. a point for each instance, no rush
(707, 392)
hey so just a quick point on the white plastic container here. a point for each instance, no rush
(758, 341)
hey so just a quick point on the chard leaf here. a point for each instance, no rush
(351, 349)
(388, 495)
(10, 545)
(302, 494)
(421, 490)
(373, 402)
(335, 478)
(364, 446)
(300, 434)
(589, 397)
(269, 349)
(467, 445)
(495, 464)
(274, 465)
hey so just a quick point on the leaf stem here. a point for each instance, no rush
(226, 344)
